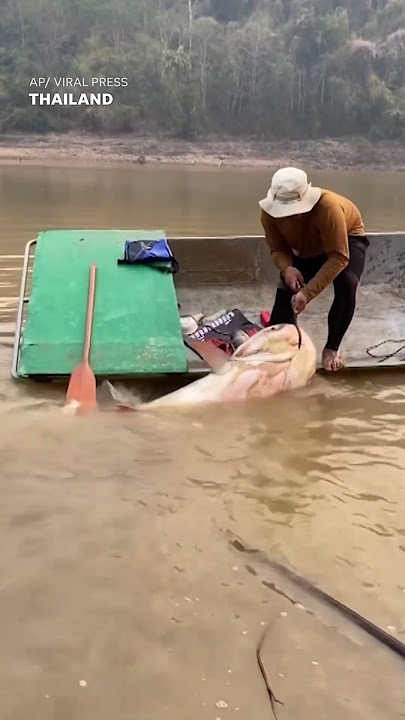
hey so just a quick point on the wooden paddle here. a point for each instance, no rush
(82, 384)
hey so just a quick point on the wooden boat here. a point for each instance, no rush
(215, 272)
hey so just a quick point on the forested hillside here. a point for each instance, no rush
(263, 68)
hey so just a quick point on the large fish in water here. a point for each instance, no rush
(274, 360)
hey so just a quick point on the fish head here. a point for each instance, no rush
(279, 351)
(277, 343)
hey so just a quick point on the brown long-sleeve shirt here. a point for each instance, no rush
(323, 230)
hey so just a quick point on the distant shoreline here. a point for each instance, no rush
(79, 149)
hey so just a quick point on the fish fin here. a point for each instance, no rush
(215, 358)
(123, 398)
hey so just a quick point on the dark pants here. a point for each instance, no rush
(345, 286)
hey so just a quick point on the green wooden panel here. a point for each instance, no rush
(136, 321)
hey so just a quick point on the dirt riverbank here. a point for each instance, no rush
(355, 154)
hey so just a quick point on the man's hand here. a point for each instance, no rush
(298, 302)
(293, 279)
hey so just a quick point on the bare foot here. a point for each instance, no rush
(331, 360)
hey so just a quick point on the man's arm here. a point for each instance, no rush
(280, 252)
(333, 229)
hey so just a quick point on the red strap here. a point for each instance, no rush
(222, 345)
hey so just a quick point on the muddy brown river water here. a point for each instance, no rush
(121, 595)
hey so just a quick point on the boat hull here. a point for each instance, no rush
(237, 272)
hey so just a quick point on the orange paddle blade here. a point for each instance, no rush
(81, 390)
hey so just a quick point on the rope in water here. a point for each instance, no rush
(373, 630)
(272, 697)
(382, 358)
(299, 581)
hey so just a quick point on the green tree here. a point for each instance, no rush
(269, 68)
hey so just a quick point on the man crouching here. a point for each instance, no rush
(316, 237)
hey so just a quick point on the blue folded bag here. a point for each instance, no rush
(155, 253)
